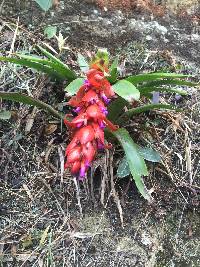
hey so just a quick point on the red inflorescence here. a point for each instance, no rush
(88, 126)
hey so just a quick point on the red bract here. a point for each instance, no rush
(88, 126)
(90, 97)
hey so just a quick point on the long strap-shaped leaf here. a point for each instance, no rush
(168, 82)
(57, 68)
(144, 90)
(22, 98)
(133, 111)
(153, 76)
(136, 162)
(34, 65)
(70, 74)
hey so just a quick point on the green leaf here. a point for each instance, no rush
(56, 68)
(153, 76)
(144, 90)
(69, 74)
(115, 109)
(150, 107)
(34, 65)
(114, 65)
(5, 115)
(123, 168)
(169, 82)
(50, 31)
(133, 111)
(74, 86)
(22, 98)
(149, 154)
(45, 4)
(136, 162)
(101, 59)
(82, 62)
(102, 53)
(126, 90)
(113, 71)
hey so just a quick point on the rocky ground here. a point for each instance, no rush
(38, 204)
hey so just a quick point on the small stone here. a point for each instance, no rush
(149, 38)
(195, 37)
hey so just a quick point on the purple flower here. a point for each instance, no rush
(87, 83)
(102, 125)
(77, 110)
(79, 124)
(87, 164)
(82, 172)
(100, 146)
(105, 99)
(104, 110)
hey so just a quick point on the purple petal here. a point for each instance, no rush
(77, 110)
(82, 172)
(87, 83)
(100, 146)
(87, 164)
(102, 125)
(104, 110)
(79, 124)
(105, 99)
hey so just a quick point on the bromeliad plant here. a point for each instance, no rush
(88, 126)
(99, 98)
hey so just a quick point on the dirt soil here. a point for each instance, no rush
(42, 222)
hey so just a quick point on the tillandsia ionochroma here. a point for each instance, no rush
(99, 84)
(88, 126)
